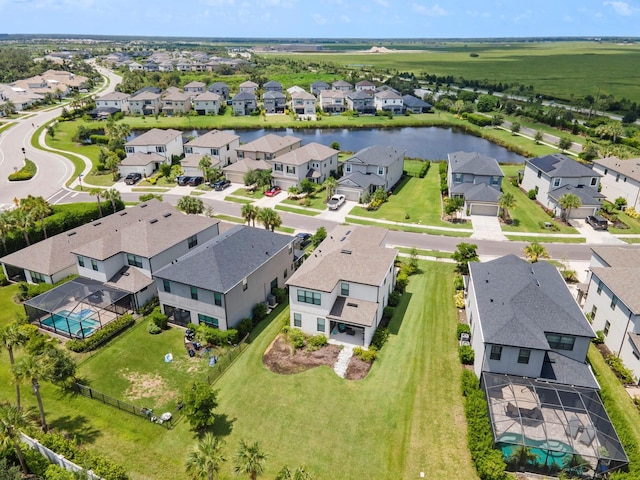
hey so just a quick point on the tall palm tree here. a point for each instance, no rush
(567, 202)
(12, 420)
(97, 192)
(205, 459)
(40, 209)
(6, 227)
(506, 202)
(249, 213)
(250, 459)
(299, 473)
(31, 369)
(12, 337)
(269, 218)
(264, 178)
(534, 252)
(190, 205)
(23, 220)
(112, 195)
(330, 184)
(205, 166)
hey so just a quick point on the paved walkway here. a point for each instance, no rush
(341, 365)
(595, 236)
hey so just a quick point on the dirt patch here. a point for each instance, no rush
(146, 385)
(357, 369)
(279, 357)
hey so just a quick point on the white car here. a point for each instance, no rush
(335, 202)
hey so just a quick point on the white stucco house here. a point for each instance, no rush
(313, 161)
(620, 178)
(219, 145)
(477, 179)
(117, 100)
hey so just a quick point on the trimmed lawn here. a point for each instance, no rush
(632, 240)
(161, 182)
(243, 192)
(419, 198)
(402, 228)
(149, 189)
(316, 202)
(527, 216)
(634, 224)
(299, 211)
(230, 198)
(78, 165)
(524, 238)
(8, 308)
(426, 253)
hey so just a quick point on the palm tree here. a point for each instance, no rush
(112, 195)
(534, 252)
(12, 420)
(31, 369)
(6, 227)
(40, 209)
(299, 473)
(250, 459)
(330, 184)
(205, 166)
(23, 220)
(190, 205)
(506, 202)
(205, 459)
(97, 192)
(264, 178)
(249, 213)
(269, 218)
(11, 337)
(567, 202)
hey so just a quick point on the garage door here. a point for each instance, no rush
(235, 177)
(353, 195)
(581, 212)
(479, 209)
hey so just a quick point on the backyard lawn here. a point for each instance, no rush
(8, 308)
(633, 223)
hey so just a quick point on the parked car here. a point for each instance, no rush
(335, 202)
(220, 184)
(304, 238)
(194, 181)
(182, 180)
(273, 191)
(597, 222)
(132, 178)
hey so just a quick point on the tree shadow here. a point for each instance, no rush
(396, 321)
(78, 425)
(222, 425)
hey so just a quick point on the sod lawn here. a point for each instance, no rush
(9, 309)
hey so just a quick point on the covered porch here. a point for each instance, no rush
(353, 321)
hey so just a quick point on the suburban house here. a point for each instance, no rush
(220, 88)
(332, 101)
(477, 179)
(554, 175)
(117, 100)
(304, 105)
(145, 103)
(190, 165)
(195, 87)
(220, 281)
(360, 101)
(272, 86)
(318, 86)
(249, 87)
(243, 103)
(613, 301)
(313, 161)
(207, 103)
(163, 142)
(342, 85)
(176, 102)
(143, 163)
(530, 340)
(258, 154)
(369, 169)
(340, 291)
(365, 85)
(274, 102)
(620, 178)
(415, 105)
(219, 145)
(388, 101)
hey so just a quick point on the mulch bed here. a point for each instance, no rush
(281, 358)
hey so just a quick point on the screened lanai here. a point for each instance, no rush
(78, 308)
(562, 427)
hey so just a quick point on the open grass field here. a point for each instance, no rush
(561, 69)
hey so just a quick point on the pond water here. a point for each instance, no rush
(433, 143)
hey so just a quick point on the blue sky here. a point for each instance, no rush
(324, 18)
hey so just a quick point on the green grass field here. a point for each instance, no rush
(8, 308)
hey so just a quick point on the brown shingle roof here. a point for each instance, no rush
(213, 139)
(311, 151)
(155, 136)
(623, 282)
(629, 168)
(141, 159)
(619, 256)
(354, 311)
(270, 143)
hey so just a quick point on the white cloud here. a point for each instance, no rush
(433, 11)
(383, 3)
(621, 8)
(319, 19)
(345, 18)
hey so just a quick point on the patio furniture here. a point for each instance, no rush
(587, 436)
(574, 427)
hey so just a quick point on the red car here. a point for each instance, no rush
(273, 191)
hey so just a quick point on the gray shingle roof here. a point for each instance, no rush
(588, 196)
(359, 94)
(518, 302)
(311, 151)
(474, 163)
(275, 95)
(415, 102)
(114, 96)
(224, 261)
(353, 311)
(557, 165)
(561, 369)
(272, 83)
(377, 155)
(270, 143)
(141, 159)
(623, 282)
(155, 136)
(243, 96)
(619, 255)
(362, 180)
(481, 192)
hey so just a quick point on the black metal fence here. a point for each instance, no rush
(226, 361)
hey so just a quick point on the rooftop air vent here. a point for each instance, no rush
(354, 305)
(166, 215)
(96, 224)
(343, 239)
(122, 214)
(71, 233)
(144, 205)
(348, 252)
(153, 220)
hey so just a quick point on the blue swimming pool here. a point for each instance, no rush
(549, 453)
(72, 324)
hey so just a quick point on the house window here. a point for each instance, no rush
(192, 241)
(561, 342)
(285, 273)
(160, 149)
(347, 168)
(607, 325)
(457, 177)
(496, 352)
(305, 296)
(320, 326)
(210, 321)
(594, 181)
(37, 277)
(188, 149)
(217, 299)
(297, 320)
(599, 291)
(614, 302)
(245, 284)
(130, 150)
(134, 260)
(380, 170)
(291, 170)
(523, 356)
(593, 312)
(240, 154)
(556, 182)
(215, 151)
(94, 264)
(80, 261)
(495, 180)
(344, 289)
(277, 167)
(539, 173)
(166, 285)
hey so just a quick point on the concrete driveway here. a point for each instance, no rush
(595, 236)
(338, 215)
(486, 227)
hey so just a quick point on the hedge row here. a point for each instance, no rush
(479, 120)
(25, 173)
(488, 461)
(105, 333)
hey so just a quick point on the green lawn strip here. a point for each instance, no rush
(412, 167)
(527, 215)
(149, 189)
(98, 180)
(229, 218)
(231, 198)
(288, 230)
(10, 309)
(631, 240)
(5, 126)
(299, 211)
(78, 164)
(417, 198)
(633, 223)
(160, 182)
(391, 226)
(243, 192)
(425, 253)
(196, 193)
(542, 127)
(524, 238)
(316, 202)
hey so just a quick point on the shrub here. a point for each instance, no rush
(631, 211)
(258, 313)
(244, 327)
(148, 307)
(514, 181)
(479, 120)
(280, 294)
(458, 282)
(153, 329)
(466, 354)
(380, 337)
(296, 337)
(158, 318)
(365, 355)
(99, 139)
(617, 366)
(316, 342)
(424, 169)
(394, 299)
(402, 280)
(532, 194)
(108, 331)
(462, 328)
(388, 312)
(25, 173)
(3, 280)
(458, 298)
(599, 340)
